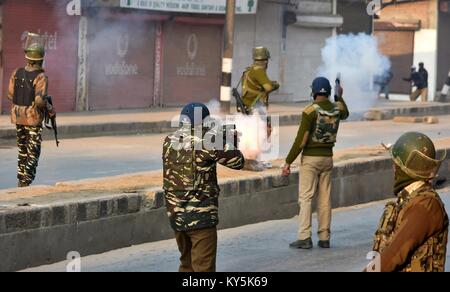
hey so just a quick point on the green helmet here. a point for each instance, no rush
(415, 154)
(261, 53)
(35, 52)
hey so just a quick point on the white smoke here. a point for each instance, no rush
(359, 61)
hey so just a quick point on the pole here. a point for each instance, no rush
(227, 62)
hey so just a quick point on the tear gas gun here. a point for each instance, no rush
(50, 122)
(338, 88)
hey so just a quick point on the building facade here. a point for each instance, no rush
(120, 54)
(411, 32)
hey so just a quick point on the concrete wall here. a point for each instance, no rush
(296, 51)
(33, 236)
(426, 39)
(262, 29)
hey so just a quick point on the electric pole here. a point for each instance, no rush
(227, 62)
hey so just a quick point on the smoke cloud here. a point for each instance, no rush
(359, 61)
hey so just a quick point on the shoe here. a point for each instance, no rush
(302, 244)
(324, 243)
(23, 184)
(253, 165)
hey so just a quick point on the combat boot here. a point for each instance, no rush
(22, 184)
(324, 243)
(302, 244)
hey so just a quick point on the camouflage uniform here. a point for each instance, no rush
(29, 82)
(412, 233)
(401, 236)
(192, 196)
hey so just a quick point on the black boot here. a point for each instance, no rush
(302, 244)
(324, 243)
(22, 184)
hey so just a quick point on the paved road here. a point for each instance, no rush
(99, 157)
(259, 248)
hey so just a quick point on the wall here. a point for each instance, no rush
(50, 18)
(443, 46)
(304, 46)
(43, 234)
(425, 39)
(262, 29)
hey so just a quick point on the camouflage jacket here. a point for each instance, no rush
(412, 233)
(29, 115)
(190, 180)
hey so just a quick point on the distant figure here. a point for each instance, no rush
(424, 73)
(383, 82)
(417, 80)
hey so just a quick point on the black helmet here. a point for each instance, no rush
(321, 86)
(194, 114)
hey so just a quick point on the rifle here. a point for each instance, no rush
(50, 122)
(241, 108)
(337, 88)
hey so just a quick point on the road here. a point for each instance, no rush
(106, 156)
(260, 247)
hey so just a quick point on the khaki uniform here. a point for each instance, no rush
(315, 140)
(253, 91)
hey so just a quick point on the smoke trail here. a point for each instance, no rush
(359, 61)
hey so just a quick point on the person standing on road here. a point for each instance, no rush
(412, 233)
(191, 188)
(417, 81)
(315, 140)
(424, 74)
(28, 92)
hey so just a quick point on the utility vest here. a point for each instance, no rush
(327, 125)
(431, 255)
(24, 90)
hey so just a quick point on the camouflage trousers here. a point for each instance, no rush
(29, 141)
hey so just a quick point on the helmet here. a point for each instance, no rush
(321, 85)
(415, 154)
(35, 47)
(261, 53)
(194, 114)
(35, 52)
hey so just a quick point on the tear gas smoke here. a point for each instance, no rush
(359, 61)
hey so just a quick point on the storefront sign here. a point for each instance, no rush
(192, 6)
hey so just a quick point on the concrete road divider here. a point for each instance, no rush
(44, 231)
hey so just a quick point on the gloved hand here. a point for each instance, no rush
(276, 85)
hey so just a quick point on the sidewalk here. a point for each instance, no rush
(123, 122)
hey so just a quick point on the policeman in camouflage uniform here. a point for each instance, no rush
(27, 92)
(316, 139)
(191, 188)
(412, 233)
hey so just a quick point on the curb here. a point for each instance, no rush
(98, 130)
